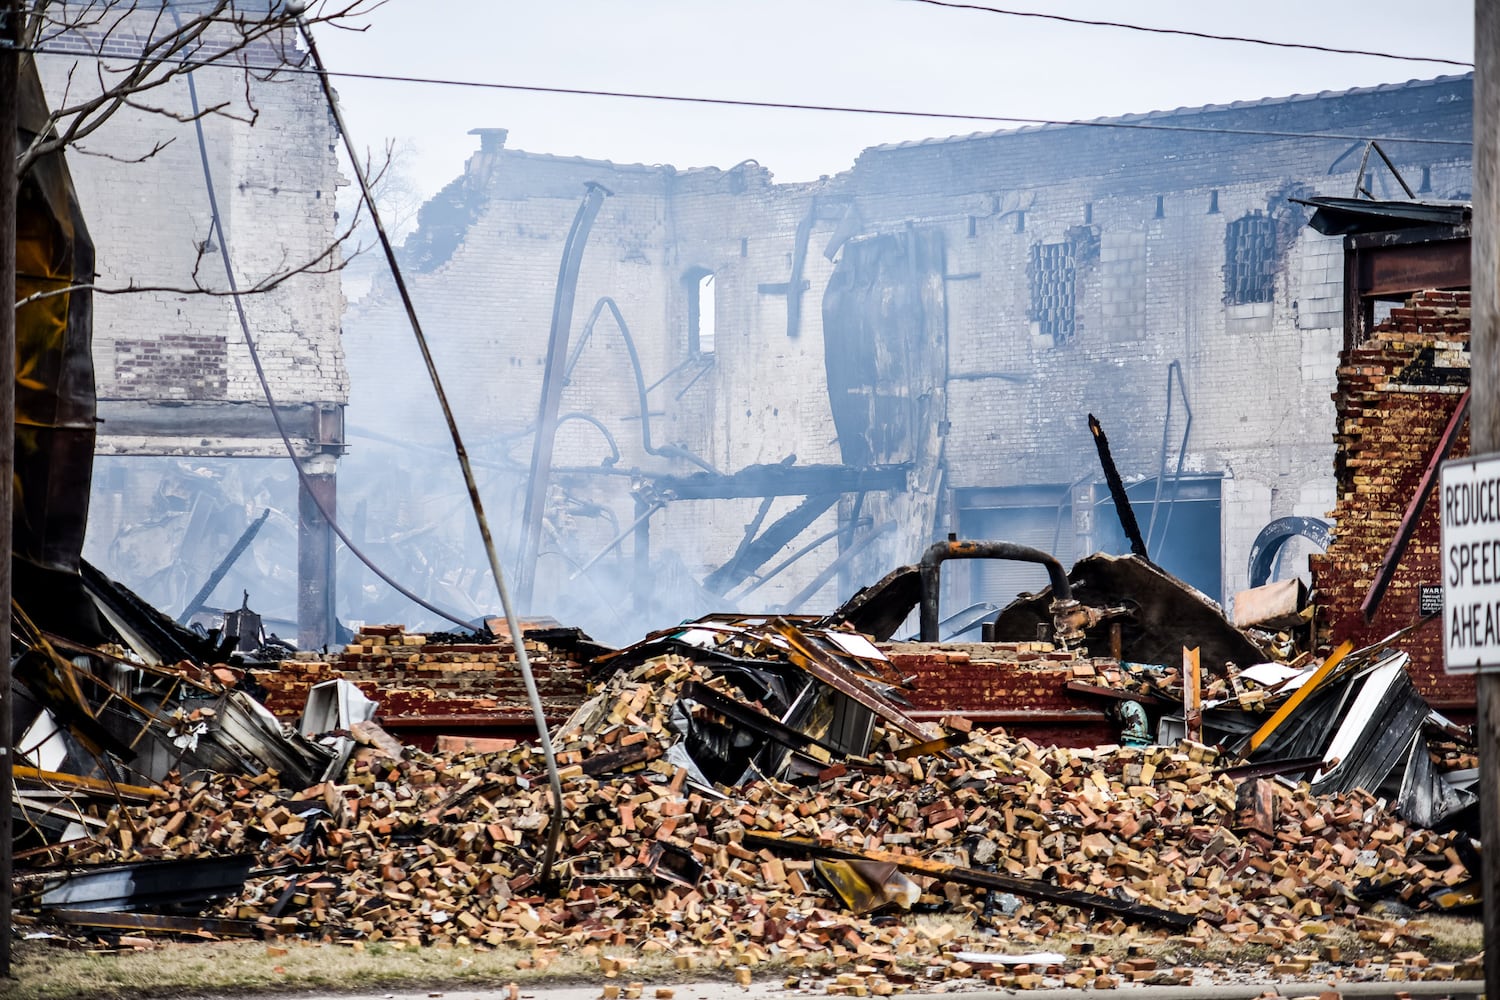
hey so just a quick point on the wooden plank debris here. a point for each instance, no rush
(161, 923)
(945, 872)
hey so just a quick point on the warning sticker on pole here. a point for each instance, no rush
(1470, 490)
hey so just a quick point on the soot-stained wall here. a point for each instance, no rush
(1070, 267)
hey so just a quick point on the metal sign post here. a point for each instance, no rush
(1484, 429)
(1469, 495)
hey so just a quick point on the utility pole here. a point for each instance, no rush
(1484, 425)
(10, 78)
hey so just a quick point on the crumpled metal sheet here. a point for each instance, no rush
(1426, 798)
(55, 400)
(1166, 615)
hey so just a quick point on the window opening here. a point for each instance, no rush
(701, 312)
(1250, 259)
(1051, 274)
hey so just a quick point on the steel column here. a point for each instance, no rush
(317, 492)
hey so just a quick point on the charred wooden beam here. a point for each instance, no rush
(120, 921)
(771, 541)
(1117, 489)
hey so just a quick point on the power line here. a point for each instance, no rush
(1183, 32)
(1153, 126)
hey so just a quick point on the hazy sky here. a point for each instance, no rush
(898, 54)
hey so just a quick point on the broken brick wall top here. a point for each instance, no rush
(425, 688)
(271, 149)
(1396, 393)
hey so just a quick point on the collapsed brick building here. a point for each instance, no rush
(917, 340)
(1399, 391)
(926, 332)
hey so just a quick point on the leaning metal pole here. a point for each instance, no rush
(1484, 430)
(10, 65)
(554, 829)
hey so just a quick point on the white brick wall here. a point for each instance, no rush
(275, 182)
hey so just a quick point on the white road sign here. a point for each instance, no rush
(1470, 491)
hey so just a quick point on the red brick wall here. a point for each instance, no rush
(1395, 395)
(1019, 686)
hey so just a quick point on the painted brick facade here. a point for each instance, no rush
(1396, 393)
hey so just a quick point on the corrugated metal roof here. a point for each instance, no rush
(1343, 216)
(1182, 112)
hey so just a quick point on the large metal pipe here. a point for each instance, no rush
(940, 552)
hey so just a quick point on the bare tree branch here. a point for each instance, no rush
(157, 148)
(330, 261)
(161, 55)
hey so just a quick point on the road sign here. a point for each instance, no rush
(1470, 490)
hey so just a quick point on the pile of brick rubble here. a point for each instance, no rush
(435, 848)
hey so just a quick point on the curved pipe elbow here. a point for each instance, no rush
(940, 552)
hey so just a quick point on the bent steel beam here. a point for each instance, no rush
(552, 384)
